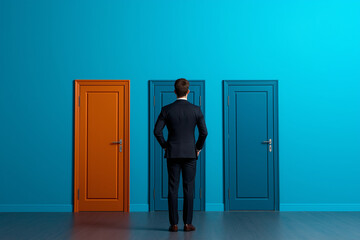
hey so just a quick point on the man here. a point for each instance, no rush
(181, 151)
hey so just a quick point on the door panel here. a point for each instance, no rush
(161, 94)
(103, 164)
(102, 157)
(250, 166)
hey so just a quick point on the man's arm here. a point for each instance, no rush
(158, 129)
(200, 122)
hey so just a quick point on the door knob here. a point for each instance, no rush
(118, 141)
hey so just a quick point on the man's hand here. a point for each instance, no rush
(197, 152)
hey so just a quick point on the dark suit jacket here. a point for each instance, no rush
(180, 118)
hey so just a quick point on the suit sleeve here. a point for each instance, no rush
(158, 129)
(200, 122)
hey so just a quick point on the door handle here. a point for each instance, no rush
(120, 142)
(268, 142)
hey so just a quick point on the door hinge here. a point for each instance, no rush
(228, 100)
(79, 101)
(154, 193)
(78, 194)
(200, 100)
(154, 101)
(229, 193)
(200, 193)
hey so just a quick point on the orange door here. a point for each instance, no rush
(103, 145)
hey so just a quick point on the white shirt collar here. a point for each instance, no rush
(181, 98)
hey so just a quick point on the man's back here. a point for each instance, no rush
(180, 118)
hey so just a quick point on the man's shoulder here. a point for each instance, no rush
(195, 107)
(166, 107)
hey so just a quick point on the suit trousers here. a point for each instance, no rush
(188, 169)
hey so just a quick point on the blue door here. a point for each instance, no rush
(162, 93)
(250, 145)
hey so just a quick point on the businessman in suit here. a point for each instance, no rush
(181, 150)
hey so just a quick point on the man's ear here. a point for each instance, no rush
(188, 91)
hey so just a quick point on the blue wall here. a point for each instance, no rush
(311, 47)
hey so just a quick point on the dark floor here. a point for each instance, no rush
(154, 225)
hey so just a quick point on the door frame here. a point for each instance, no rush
(226, 85)
(126, 146)
(152, 141)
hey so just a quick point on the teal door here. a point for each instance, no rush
(250, 145)
(162, 93)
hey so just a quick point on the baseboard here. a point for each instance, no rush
(214, 207)
(208, 207)
(36, 207)
(319, 207)
(139, 207)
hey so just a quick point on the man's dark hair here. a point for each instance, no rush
(181, 87)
